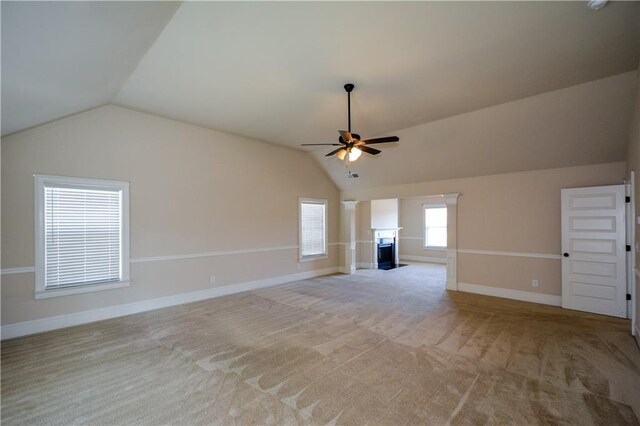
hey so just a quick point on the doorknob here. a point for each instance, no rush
(565, 254)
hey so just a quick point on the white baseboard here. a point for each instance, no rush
(525, 296)
(425, 259)
(364, 265)
(347, 269)
(62, 321)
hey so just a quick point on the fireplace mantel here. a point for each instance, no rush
(377, 232)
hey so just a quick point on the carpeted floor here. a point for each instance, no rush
(379, 347)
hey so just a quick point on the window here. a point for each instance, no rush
(82, 235)
(435, 227)
(313, 229)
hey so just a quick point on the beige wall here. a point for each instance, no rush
(193, 190)
(412, 233)
(513, 212)
(633, 163)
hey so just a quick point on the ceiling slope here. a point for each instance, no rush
(274, 71)
(579, 125)
(60, 58)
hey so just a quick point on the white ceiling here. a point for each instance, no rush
(60, 58)
(274, 71)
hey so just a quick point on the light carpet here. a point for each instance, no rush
(379, 347)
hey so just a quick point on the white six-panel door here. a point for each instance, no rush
(594, 250)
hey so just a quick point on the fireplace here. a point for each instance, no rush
(386, 253)
(385, 248)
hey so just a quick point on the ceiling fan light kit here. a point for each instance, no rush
(351, 144)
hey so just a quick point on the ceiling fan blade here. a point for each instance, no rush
(382, 140)
(335, 152)
(345, 135)
(368, 150)
(316, 144)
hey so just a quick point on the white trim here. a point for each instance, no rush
(347, 270)
(435, 249)
(426, 259)
(525, 296)
(42, 181)
(81, 289)
(511, 254)
(313, 258)
(452, 269)
(349, 204)
(22, 270)
(210, 254)
(451, 198)
(635, 321)
(53, 323)
(410, 238)
(364, 242)
(364, 265)
(29, 269)
(630, 222)
(325, 203)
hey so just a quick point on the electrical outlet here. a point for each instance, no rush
(535, 283)
(212, 279)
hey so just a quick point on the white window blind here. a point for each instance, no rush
(435, 220)
(313, 222)
(82, 236)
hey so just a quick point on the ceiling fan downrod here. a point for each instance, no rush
(349, 87)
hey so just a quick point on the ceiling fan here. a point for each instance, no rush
(351, 143)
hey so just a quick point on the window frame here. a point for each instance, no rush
(325, 254)
(42, 181)
(425, 245)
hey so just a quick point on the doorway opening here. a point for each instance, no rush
(390, 233)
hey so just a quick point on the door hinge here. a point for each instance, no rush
(627, 199)
(628, 296)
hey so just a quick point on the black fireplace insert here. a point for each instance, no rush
(386, 253)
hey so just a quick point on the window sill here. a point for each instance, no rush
(313, 258)
(81, 289)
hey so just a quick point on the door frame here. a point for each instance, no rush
(631, 255)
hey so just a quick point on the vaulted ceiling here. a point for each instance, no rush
(60, 58)
(275, 71)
